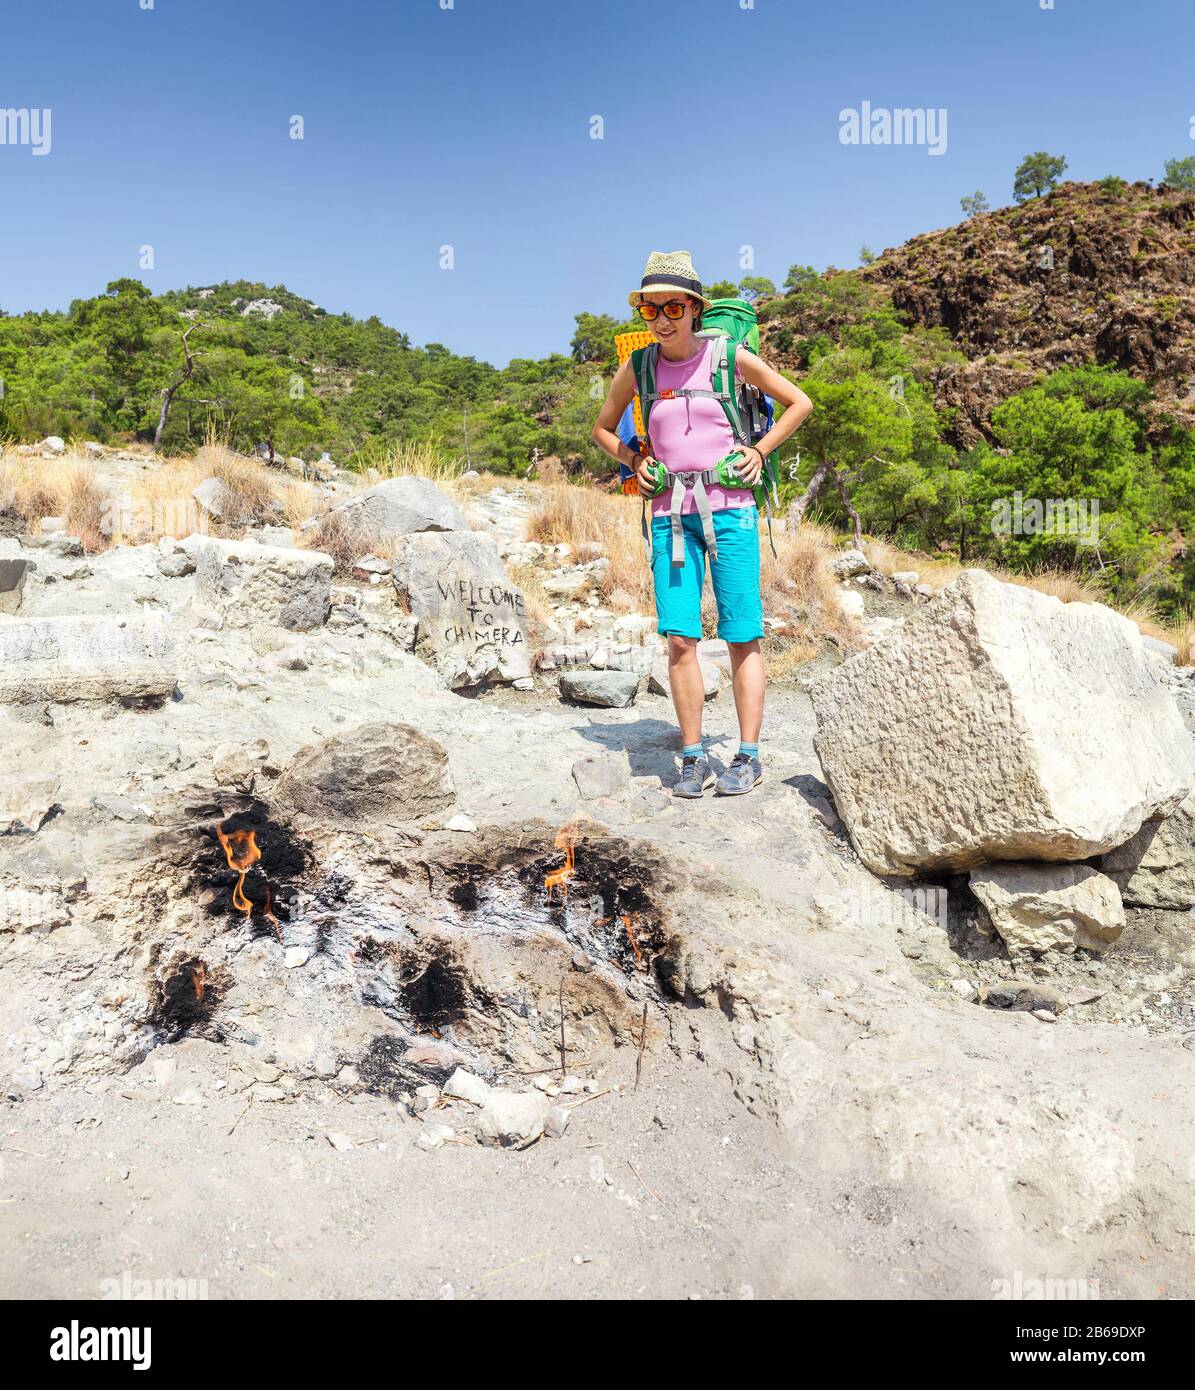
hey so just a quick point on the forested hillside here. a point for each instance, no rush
(260, 364)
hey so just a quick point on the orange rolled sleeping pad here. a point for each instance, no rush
(624, 345)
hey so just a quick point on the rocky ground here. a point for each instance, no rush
(779, 1081)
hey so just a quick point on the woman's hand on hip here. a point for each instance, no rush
(750, 466)
(643, 473)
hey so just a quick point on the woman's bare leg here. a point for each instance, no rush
(746, 665)
(688, 688)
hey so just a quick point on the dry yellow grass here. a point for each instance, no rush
(106, 511)
(249, 497)
(30, 488)
(627, 587)
(344, 541)
(67, 487)
(463, 489)
(937, 572)
(799, 588)
(415, 458)
(800, 574)
(1182, 633)
(530, 581)
(160, 502)
(334, 537)
(300, 502)
(574, 512)
(87, 508)
(579, 513)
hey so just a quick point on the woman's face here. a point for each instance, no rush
(664, 329)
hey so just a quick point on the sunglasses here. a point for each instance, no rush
(674, 309)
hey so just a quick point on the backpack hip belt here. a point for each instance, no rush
(695, 483)
(746, 424)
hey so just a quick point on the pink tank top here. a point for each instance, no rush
(691, 433)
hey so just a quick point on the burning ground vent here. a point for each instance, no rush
(418, 952)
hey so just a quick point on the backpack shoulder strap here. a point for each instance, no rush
(723, 384)
(643, 368)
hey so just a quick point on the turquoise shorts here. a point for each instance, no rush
(734, 574)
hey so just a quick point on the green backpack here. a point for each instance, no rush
(730, 322)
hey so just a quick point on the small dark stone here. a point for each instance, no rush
(1023, 996)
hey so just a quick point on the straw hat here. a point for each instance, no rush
(669, 270)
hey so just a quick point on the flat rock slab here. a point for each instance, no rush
(471, 620)
(715, 651)
(379, 773)
(249, 583)
(613, 689)
(999, 723)
(1156, 868)
(602, 776)
(63, 659)
(1043, 907)
(55, 542)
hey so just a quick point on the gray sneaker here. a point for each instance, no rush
(695, 776)
(743, 775)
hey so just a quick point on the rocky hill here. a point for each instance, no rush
(1092, 273)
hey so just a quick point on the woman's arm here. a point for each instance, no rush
(797, 409)
(622, 389)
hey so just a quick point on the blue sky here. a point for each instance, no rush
(470, 127)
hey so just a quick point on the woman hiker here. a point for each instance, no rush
(690, 434)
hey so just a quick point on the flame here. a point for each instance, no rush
(628, 920)
(560, 877)
(198, 976)
(566, 839)
(242, 852)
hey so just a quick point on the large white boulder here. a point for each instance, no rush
(1044, 907)
(64, 659)
(472, 621)
(401, 507)
(249, 583)
(999, 723)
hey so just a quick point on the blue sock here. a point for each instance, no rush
(750, 749)
(691, 750)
